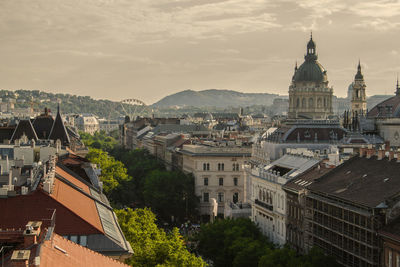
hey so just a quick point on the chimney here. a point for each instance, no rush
(363, 151)
(20, 258)
(387, 145)
(391, 155)
(381, 154)
(370, 152)
(31, 233)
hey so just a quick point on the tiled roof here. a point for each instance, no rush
(42, 125)
(58, 130)
(16, 211)
(72, 179)
(24, 127)
(365, 181)
(6, 133)
(307, 178)
(387, 108)
(80, 204)
(61, 252)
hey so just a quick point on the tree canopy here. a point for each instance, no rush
(151, 245)
(240, 242)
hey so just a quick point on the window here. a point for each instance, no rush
(235, 167)
(390, 259)
(235, 197)
(206, 197)
(220, 197)
(83, 240)
(206, 166)
(74, 238)
(235, 181)
(221, 181)
(205, 181)
(221, 166)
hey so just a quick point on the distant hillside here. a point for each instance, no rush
(216, 98)
(69, 103)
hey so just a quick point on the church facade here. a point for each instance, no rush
(310, 96)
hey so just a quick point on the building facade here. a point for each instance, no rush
(310, 96)
(218, 174)
(347, 207)
(268, 198)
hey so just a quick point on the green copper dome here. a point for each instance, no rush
(310, 70)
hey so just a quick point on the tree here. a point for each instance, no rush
(226, 242)
(113, 172)
(170, 193)
(151, 245)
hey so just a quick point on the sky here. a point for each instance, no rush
(148, 49)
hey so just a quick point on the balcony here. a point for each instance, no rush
(264, 205)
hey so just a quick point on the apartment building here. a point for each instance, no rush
(218, 172)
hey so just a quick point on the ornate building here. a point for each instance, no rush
(310, 97)
(359, 99)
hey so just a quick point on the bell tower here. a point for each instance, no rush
(359, 99)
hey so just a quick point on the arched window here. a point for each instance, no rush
(310, 102)
(259, 195)
(319, 102)
(297, 102)
(304, 104)
(235, 197)
(325, 102)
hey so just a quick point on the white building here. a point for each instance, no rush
(87, 123)
(268, 199)
(218, 173)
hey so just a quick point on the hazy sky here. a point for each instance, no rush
(147, 49)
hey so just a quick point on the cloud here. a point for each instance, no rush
(377, 24)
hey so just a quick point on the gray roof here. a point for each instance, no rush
(177, 128)
(365, 181)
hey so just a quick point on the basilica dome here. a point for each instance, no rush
(311, 70)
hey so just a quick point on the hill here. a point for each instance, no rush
(216, 98)
(69, 103)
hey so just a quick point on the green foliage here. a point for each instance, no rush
(240, 243)
(151, 245)
(99, 140)
(69, 103)
(230, 242)
(170, 193)
(113, 172)
(144, 182)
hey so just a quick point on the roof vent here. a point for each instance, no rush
(365, 175)
(385, 180)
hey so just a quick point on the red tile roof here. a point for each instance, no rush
(71, 218)
(78, 203)
(72, 179)
(61, 252)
